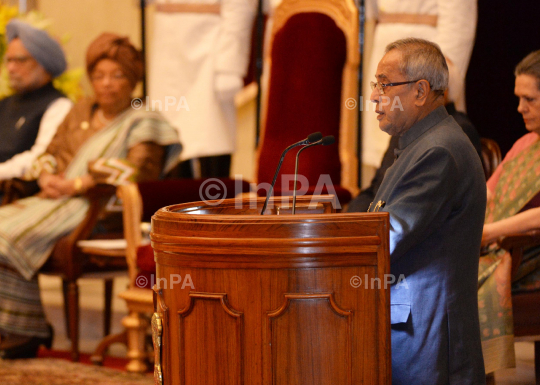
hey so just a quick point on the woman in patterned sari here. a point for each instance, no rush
(513, 207)
(100, 138)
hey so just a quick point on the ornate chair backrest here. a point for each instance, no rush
(313, 68)
(491, 156)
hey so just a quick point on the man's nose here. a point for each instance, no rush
(521, 106)
(375, 95)
(10, 66)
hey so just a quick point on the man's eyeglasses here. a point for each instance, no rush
(381, 86)
(18, 60)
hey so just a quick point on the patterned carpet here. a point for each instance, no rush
(53, 371)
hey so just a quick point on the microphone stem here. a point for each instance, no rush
(295, 180)
(276, 174)
(275, 177)
(312, 138)
(296, 172)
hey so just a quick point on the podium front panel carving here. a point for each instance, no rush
(276, 299)
(290, 335)
(210, 328)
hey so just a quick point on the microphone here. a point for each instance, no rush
(316, 136)
(327, 140)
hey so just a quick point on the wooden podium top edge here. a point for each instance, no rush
(313, 208)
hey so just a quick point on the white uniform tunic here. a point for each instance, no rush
(454, 33)
(190, 50)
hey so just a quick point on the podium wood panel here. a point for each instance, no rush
(272, 300)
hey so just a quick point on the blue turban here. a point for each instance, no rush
(45, 50)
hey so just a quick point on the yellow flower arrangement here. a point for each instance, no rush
(6, 14)
(68, 82)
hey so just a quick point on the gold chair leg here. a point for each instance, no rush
(101, 351)
(136, 327)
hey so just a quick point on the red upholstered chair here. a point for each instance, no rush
(312, 63)
(140, 202)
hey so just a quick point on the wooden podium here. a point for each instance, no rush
(243, 298)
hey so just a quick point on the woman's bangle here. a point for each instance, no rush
(77, 185)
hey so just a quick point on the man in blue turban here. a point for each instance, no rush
(29, 118)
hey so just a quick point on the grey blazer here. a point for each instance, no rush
(435, 193)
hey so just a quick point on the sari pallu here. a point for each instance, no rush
(30, 228)
(519, 182)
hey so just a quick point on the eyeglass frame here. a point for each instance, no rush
(17, 60)
(380, 86)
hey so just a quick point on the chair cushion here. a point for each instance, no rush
(308, 57)
(146, 266)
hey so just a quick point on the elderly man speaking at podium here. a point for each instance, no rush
(435, 194)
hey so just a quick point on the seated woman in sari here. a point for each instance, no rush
(97, 136)
(513, 207)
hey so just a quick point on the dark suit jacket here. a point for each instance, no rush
(362, 201)
(435, 193)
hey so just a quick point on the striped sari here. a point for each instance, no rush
(518, 184)
(30, 227)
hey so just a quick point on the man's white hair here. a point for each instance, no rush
(422, 59)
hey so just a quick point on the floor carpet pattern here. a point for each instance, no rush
(54, 371)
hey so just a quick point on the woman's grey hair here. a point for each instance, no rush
(530, 66)
(422, 59)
